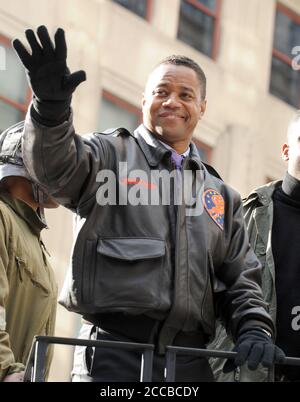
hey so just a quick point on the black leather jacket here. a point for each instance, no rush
(125, 258)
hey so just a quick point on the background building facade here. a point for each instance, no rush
(247, 48)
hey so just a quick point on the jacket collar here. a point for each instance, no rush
(24, 211)
(291, 187)
(195, 160)
(154, 151)
(263, 193)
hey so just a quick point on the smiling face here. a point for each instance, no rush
(172, 104)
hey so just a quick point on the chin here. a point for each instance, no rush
(168, 133)
(173, 137)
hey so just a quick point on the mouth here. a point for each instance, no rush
(171, 116)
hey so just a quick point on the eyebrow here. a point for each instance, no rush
(189, 89)
(184, 88)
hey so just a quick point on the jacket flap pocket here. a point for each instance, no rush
(33, 272)
(131, 248)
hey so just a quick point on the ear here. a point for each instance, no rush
(143, 100)
(285, 152)
(202, 109)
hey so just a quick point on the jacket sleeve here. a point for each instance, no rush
(249, 206)
(64, 163)
(242, 304)
(7, 360)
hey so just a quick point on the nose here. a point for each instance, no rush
(172, 101)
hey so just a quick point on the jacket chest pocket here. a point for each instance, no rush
(124, 273)
(29, 276)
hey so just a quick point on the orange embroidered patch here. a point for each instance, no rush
(215, 206)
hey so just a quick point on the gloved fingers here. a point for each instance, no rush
(22, 53)
(34, 44)
(268, 357)
(243, 351)
(60, 45)
(272, 355)
(279, 355)
(256, 355)
(47, 45)
(73, 80)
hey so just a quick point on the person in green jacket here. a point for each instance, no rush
(28, 290)
(272, 214)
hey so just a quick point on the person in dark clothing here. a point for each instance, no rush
(272, 214)
(145, 267)
(285, 241)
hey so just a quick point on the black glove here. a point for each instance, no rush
(256, 347)
(48, 75)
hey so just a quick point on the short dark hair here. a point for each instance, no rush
(177, 60)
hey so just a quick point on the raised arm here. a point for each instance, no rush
(58, 159)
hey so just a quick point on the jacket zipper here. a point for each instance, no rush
(174, 323)
(177, 282)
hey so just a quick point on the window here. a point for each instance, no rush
(14, 91)
(143, 8)
(115, 112)
(205, 151)
(285, 81)
(199, 25)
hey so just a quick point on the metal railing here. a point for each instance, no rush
(173, 351)
(35, 368)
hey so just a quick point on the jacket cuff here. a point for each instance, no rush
(255, 324)
(36, 122)
(48, 113)
(13, 368)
